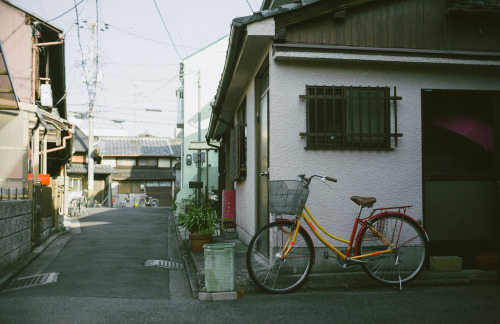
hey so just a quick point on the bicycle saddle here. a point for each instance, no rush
(364, 201)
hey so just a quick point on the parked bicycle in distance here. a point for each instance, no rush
(99, 204)
(149, 201)
(388, 244)
(77, 206)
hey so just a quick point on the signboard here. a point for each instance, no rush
(195, 184)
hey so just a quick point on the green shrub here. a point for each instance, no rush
(196, 218)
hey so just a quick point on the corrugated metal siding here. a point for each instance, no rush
(7, 94)
(13, 146)
(16, 41)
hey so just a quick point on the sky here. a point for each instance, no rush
(139, 50)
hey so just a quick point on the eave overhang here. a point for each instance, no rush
(250, 39)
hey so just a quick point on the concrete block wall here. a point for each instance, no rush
(15, 231)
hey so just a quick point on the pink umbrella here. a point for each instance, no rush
(470, 127)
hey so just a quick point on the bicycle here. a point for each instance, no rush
(389, 244)
(148, 200)
(77, 206)
(99, 204)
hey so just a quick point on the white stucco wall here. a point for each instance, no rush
(393, 177)
(246, 190)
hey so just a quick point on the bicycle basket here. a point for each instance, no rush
(287, 196)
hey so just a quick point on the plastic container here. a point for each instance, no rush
(219, 267)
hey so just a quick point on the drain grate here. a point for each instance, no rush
(32, 281)
(163, 264)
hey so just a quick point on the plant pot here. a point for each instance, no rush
(198, 240)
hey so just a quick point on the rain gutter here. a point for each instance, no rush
(236, 39)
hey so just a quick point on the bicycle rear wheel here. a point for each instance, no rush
(154, 203)
(265, 264)
(407, 259)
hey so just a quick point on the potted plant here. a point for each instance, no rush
(200, 220)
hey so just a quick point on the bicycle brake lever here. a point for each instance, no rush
(323, 179)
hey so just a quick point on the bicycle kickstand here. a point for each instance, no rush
(399, 272)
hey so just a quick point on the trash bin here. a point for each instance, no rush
(219, 267)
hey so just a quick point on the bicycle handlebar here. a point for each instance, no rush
(308, 180)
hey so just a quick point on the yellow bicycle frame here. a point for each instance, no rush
(291, 239)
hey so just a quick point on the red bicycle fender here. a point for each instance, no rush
(310, 239)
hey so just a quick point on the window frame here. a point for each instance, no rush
(347, 117)
(242, 140)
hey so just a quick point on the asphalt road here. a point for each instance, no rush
(103, 279)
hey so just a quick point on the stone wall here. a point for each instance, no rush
(15, 231)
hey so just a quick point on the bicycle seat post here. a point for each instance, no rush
(360, 210)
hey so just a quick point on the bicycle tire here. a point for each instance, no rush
(402, 265)
(73, 209)
(265, 266)
(155, 203)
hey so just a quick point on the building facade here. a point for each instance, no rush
(145, 166)
(200, 73)
(367, 92)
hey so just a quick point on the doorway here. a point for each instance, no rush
(262, 127)
(461, 177)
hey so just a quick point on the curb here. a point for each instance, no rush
(193, 274)
(12, 271)
(189, 263)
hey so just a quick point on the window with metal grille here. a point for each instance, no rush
(341, 117)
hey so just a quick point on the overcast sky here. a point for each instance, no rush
(139, 53)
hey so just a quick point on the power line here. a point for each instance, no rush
(176, 28)
(74, 7)
(249, 5)
(164, 25)
(80, 45)
(146, 38)
(97, 35)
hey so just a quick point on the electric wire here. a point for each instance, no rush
(177, 29)
(249, 5)
(97, 36)
(74, 7)
(164, 25)
(81, 50)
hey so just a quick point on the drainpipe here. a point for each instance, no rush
(71, 132)
(209, 144)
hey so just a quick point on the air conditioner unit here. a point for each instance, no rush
(46, 95)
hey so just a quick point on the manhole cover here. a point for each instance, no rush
(163, 264)
(31, 281)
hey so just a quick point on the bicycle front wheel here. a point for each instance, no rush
(267, 265)
(406, 261)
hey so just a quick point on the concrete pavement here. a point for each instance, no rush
(107, 259)
(104, 255)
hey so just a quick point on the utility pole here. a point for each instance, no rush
(91, 79)
(199, 136)
(92, 85)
